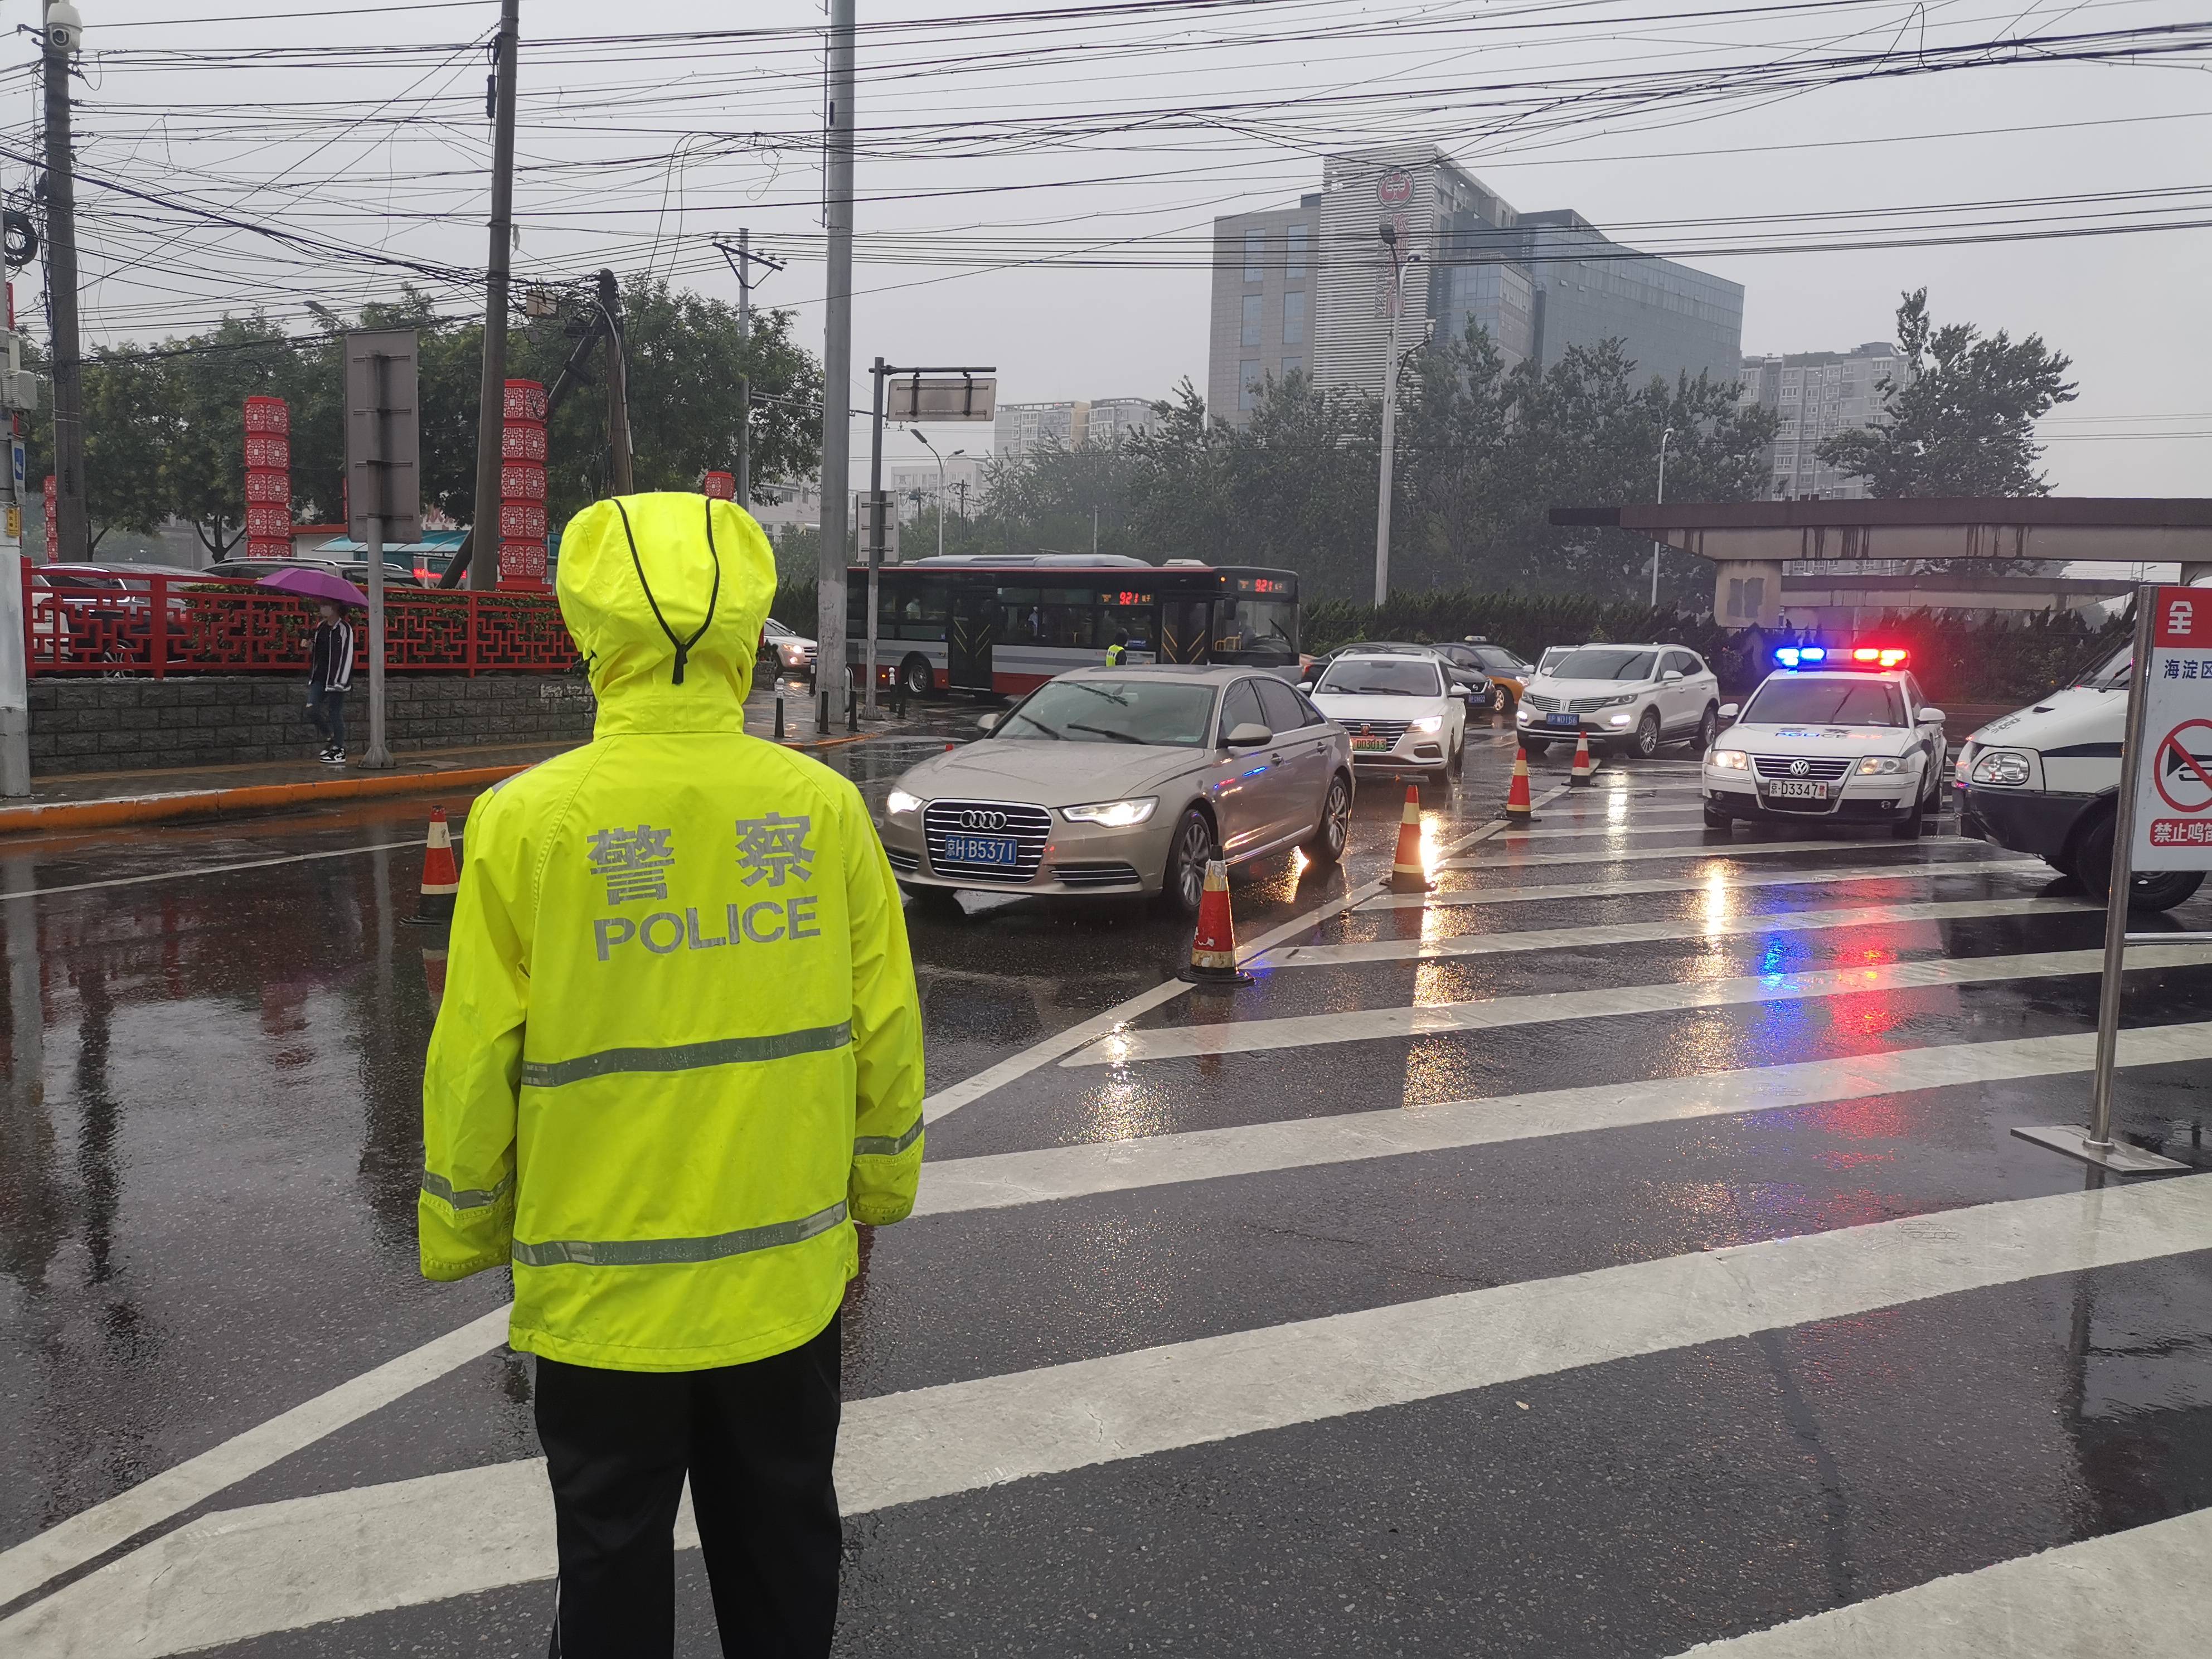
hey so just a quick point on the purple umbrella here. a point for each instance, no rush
(309, 583)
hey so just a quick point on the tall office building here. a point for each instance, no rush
(1589, 287)
(1019, 427)
(1819, 394)
(1310, 287)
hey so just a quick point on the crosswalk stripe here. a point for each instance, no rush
(236, 1573)
(1711, 880)
(1308, 1030)
(1645, 932)
(1741, 849)
(1631, 826)
(2142, 1592)
(1004, 1180)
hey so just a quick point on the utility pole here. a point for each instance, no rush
(1663, 437)
(875, 537)
(742, 259)
(1389, 233)
(620, 481)
(63, 34)
(491, 396)
(830, 672)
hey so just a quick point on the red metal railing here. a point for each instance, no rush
(164, 625)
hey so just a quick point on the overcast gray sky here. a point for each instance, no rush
(1038, 181)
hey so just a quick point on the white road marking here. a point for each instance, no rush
(1367, 1024)
(2143, 1593)
(92, 1533)
(953, 1096)
(240, 1573)
(1741, 849)
(1048, 1175)
(1713, 880)
(1617, 827)
(210, 870)
(1646, 933)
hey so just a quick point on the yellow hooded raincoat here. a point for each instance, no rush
(679, 1053)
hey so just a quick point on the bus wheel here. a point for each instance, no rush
(914, 678)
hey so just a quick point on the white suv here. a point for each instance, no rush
(1633, 697)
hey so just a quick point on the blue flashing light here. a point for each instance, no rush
(1792, 656)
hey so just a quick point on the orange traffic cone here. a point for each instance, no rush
(1213, 947)
(1584, 774)
(1518, 806)
(1407, 874)
(441, 877)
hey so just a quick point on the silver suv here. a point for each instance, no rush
(1630, 698)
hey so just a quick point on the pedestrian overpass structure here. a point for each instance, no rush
(1750, 542)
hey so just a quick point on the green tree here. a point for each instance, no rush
(1963, 421)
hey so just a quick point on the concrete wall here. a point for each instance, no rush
(127, 724)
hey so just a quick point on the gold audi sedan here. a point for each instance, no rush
(1125, 781)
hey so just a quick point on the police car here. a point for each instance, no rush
(1841, 735)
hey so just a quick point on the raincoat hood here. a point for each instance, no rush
(665, 595)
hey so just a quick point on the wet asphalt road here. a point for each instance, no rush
(208, 1169)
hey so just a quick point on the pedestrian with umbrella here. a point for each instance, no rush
(329, 652)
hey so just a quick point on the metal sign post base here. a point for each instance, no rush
(2106, 1155)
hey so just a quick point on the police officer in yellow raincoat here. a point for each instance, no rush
(679, 1056)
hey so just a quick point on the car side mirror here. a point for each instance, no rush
(990, 722)
(1250, 735)
(1931, 717)
(1671, 677)
(1306, 684)
(1729, 711)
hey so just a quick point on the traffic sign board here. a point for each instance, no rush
(2173, 790)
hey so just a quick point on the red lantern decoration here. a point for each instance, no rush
(268, 478)
(720, 486)
(53, 530)
(522, 489)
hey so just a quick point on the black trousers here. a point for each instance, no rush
(758, 1442)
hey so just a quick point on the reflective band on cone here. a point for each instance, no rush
(1213, 947)
(1581, 777)
(1517, 804)
(441, 877)
(1407, 873)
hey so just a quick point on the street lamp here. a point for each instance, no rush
(1399, 266)
(1663, 437)
(931, 448)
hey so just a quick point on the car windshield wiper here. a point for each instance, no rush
(1049, 732)
(1103, 731)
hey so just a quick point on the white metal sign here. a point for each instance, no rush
(2174, 784)
(934, 397)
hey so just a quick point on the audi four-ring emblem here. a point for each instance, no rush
(1798, 769)
(975, 819)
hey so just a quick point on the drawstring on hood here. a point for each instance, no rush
(714, 594)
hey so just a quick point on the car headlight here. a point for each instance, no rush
(1615, 702)
(2007, 768)
(1522, 714)
(898, 803)
(1730, 760)
(1880, 763)
(1429, 723)
(1114, 814)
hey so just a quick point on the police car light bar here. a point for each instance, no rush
(1858, 656)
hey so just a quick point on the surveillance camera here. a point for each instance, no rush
(64, 28)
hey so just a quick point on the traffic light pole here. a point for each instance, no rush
(830, 672)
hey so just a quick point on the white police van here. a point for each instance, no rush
(1844, 736)
(2045, 779)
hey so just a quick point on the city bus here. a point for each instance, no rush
(1007, 623)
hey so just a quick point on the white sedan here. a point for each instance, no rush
(1403, 712)
(1839, 745)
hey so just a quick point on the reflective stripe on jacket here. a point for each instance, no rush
(679, 1053)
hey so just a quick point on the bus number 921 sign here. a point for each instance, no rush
(2173, 790)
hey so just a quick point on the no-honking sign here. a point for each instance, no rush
(2173, 789)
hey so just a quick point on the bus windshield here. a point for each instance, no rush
(1160, 713)
(1256, 631)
